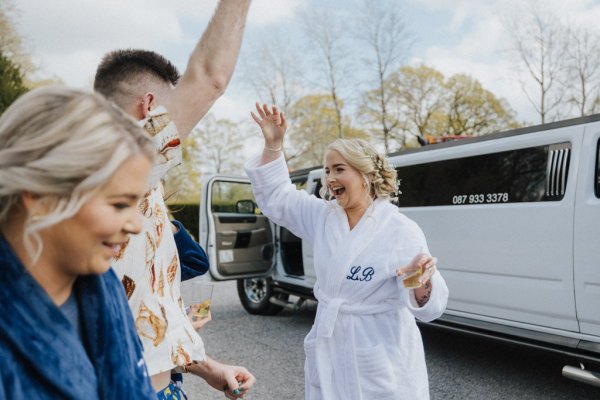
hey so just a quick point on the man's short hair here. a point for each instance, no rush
(119, 70)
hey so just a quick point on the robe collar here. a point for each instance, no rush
(110, 366)
(39, 332)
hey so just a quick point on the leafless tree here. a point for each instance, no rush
(272, 68)
(326, 36)
(539, 42)
(218, 147)
(583, 67)
(381, 26)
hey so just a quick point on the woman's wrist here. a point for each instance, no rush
(274, 147)
(423, 293)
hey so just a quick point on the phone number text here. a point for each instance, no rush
(480, 198)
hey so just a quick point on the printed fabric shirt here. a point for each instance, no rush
(149, 268)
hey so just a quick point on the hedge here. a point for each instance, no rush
(189, 215)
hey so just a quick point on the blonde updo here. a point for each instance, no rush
(379, 175)
(62, 145)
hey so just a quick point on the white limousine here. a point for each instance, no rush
(513, 217)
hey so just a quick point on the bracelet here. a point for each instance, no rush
(273, 149)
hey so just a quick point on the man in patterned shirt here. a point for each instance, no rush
(149, 88)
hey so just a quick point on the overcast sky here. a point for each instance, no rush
(68, 37)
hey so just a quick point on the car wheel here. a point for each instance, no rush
(254, 293)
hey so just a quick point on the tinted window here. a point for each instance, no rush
(523, 175)
(318, 188)
(300, 183)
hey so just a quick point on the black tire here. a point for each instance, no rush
(254, 293)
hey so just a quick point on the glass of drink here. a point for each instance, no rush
(408, 253)
(197, 296)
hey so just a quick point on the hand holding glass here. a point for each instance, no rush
(197, 296)
(418, 270)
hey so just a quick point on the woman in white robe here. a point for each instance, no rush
(364, 344)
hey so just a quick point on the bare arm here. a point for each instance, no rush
(210, 67)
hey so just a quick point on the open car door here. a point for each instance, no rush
(237, 238)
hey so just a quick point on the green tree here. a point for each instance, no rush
(420, 95)
(215, 146)
(11, 44)
(473, 110)
(313, 125)
(11, 82)
(426, 103)
(183, 183)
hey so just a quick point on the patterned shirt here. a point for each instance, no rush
(148, 265)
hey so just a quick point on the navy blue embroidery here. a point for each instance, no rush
(356, 275)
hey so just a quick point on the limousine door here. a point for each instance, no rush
(587, 235)
(236, 236)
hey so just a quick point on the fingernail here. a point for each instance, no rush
(236, 392)
(241, 389)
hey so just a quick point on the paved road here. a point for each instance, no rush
(459, 367)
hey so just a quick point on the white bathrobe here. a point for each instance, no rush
(364, 344)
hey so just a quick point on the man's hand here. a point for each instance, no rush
(233, 380)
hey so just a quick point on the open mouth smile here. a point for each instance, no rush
(337, 191)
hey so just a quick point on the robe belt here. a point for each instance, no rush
(333, 306)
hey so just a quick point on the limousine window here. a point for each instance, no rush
(524, 175)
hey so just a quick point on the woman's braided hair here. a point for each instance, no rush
(375, 168)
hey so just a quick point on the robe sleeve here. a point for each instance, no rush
(436, 305)
(279, 199)
(438, 299)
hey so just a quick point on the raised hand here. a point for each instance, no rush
(273, 124)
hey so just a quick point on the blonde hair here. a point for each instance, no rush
(378, 174)
(62, 145)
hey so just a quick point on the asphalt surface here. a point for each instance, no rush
(460, 367)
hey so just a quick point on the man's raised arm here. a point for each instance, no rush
(210, 67)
